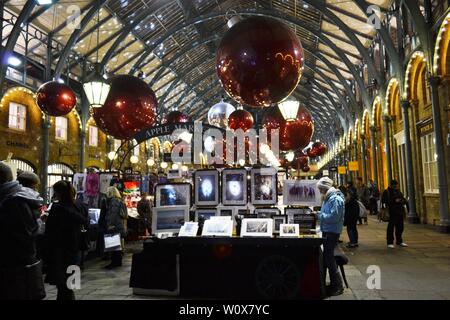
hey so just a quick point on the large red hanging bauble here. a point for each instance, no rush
(306, 169)
(259, 61)
(130, 107)
(240, 119)
(175, 117)
(318, 149)
(55, 98)
(297, 133)
(272, 119)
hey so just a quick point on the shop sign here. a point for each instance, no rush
(342, 170)
(353, 166)
(425, 127)
(15, 144)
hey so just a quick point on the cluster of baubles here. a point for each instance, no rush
(294, 134)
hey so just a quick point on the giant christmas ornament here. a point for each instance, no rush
(240, 119)
(259, 61)
(306, 168)
(318, 149)
(55, 98)
(297, 133)
(219, 113)
(272, 119)
(175, 117)
(130, 107)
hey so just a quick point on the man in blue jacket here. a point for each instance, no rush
(331, 222)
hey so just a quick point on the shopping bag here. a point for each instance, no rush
(112, 242)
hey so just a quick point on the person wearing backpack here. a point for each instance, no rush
(351, 216)
(115, 216)
(394, 201)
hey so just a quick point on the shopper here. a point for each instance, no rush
(115, 214)
(394, 201)
(374, 197)
(363, 195)
(20, 270)
(331, 221)
(62, 234)
(84, 243)
(144, 208)
(351, 218)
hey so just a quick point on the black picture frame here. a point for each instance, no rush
(237, 194)
(206, 187)
(180, 191)
(264, 186)
(277, 221)
(266, 212)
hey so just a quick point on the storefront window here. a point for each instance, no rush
(429, 163)
(17, 116)
(61, 128)
(93, 136)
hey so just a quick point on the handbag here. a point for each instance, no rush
(112, 242)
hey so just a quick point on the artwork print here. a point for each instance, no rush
(264, 187)
(301, 192)
(234, 187)
(206, 187)
(173, 195)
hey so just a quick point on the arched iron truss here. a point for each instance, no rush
(335, 95)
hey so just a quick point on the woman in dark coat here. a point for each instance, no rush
(115, 216)
(351, 217)
(62, 233)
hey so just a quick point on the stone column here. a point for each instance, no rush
(46, 149)
(412, 217)
(440, 143)
(363, 158)
(373, 142)
(82, 150)
(387, 141)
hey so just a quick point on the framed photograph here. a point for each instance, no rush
(226, 212)
(266, 212)
(257, 228)
(169, 219)
(243, 211)
(278, 220)
(289, 230)
(206, 185)
(234, 187)
(282, 176)
(173, 194)
(218, 228)
(301, 193)
(94, 215)
(205, 214)
(264, 186)
(305, 221)
(291, 212)
(174, 174)
(189, 229)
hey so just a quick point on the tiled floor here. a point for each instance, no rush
(421, 271)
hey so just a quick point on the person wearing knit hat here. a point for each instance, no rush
(331, 223)
(28, 179)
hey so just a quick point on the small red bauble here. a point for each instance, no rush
(240, 119)
(306, 169)
(259, 61)
(175, 117)
(300, 162)
(55, 98)
(130, 107)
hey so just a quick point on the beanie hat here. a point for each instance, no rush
(6, 174)
(28, 178)
(325, 183)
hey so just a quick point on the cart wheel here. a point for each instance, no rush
(277, 277)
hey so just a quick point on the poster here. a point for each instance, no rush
(301, 193)
(131, 194)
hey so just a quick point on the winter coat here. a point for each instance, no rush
(332, 213)
(144, 209)
(62, 236)
(388, 199)
(363, 195)
(18, 224)
(351, 212)
(114, 216)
